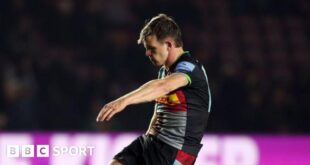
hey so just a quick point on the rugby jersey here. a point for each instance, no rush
(181, 115)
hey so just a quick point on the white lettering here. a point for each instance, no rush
(16, 140)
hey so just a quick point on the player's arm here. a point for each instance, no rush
(146, 93)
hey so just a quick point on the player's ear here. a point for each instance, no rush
(169, 44)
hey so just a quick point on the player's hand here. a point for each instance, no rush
(110, 109)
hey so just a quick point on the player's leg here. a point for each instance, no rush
(158, 152)
(131, 154)
(115, 162)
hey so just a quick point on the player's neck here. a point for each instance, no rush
(173, 57)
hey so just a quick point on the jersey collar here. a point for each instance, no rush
(178, 59)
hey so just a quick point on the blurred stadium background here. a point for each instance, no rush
(61, 60)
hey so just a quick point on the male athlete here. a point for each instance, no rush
(182, 101)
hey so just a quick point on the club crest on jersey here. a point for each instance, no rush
(171, 99)
(187, 66)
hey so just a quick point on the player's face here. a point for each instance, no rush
(155, 50)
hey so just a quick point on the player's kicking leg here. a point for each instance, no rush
(115, 162)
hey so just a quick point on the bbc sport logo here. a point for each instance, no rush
(28, 151)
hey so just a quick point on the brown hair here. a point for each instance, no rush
(162, 26)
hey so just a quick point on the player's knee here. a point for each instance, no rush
(115, 162)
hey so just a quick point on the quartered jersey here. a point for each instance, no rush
(181, 115)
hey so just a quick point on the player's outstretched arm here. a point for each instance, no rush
(146, 93)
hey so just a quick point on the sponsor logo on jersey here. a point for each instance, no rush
(187, 66)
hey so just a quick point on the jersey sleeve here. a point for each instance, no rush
(187, 68)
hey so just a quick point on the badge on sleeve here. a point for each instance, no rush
(187, 66)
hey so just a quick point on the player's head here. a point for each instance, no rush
(158, 36)
(162, 26)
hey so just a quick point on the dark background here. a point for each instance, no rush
(62, 60)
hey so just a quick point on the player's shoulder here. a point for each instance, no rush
(186, 62)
